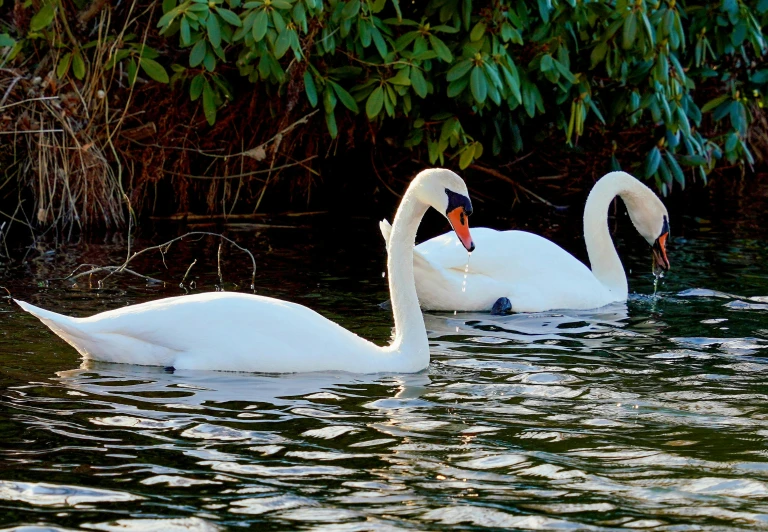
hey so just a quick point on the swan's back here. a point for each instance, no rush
(533, 272)
(214, 331)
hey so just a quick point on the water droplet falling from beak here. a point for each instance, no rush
(466, 272)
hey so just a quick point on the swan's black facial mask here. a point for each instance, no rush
(459, 208)
(456, 200)
(660, 259)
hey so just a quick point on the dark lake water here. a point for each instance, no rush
(646, 415)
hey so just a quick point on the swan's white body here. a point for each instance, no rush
(533, 272)
(223, 331)
(242, 332)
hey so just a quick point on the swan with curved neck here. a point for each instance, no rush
(243, 332)
(529, 273)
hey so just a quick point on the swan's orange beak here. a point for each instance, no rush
(460, 224)
(660, 259)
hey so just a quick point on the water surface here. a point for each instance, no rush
(646, 415)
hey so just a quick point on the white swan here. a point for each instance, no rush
(242, 332)
(533, 273)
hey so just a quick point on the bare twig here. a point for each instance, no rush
(186, 274)
(496, 173)
(11, 85)
(111, 270)
(163, 249)
(27, 132)
(27, 101)
(218, 264)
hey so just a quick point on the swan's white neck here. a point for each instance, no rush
(410, 333)
(605, 262)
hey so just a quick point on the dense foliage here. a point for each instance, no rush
(462, 78)
(467, 75)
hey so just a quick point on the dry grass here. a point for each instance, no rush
(58, 135)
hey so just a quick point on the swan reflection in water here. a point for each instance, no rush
(578, 329)
(196, 388)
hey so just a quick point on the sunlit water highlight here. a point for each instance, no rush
(646, 415)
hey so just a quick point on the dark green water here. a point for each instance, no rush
(649, 415)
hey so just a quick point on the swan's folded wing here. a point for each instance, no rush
(516, 256)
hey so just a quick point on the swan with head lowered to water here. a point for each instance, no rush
(243, 332)
(523, 272)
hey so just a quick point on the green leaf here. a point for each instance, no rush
(278, 21)
(379, 42)
(196, 87)
(677, 172)
(466, 157)
(466, 13)
(630, 31)
(396, 3)
(649, 29)
(512, 78)
(478, 84)
(78, 65)
(132, 71)
(722, 110)
(665, 174)
(547, 63)
(186, 35)
(281, 4)
(374, 103)
(652, 161)
(760, 76)
(401, 78)
(598, 53)
(260, 25)
(166, 19)
(693, 160)
(451, 128)
(738, 117)
(345, 98)
(63, 67)
(154, 70)
(209, 62)
(214, 30)
(197, 54)
(229, 16)
(456, 87)
(441, 49)
(351, 9)
(330, 121)
(544, 7)
(6, 41)
(595, 110)
(478, 150)
(282, 44)
(418, 82)
(309, 88)
(565, 72)
(405, 39)
(209, 104)
(478, 31)
(43, 18)
(459, 70)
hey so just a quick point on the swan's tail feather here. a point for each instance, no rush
(42, 314)
(386, 230)
(64, 326)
